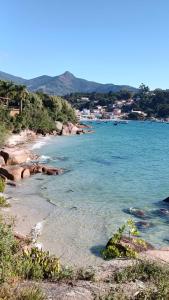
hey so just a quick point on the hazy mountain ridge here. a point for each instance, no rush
(63, 84)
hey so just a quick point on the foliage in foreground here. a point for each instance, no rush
(152, 276)
(124, 243)
(31, 293)
(32, 264)
(2, 185)
(3, 202)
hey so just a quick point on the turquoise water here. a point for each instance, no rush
(114, 169)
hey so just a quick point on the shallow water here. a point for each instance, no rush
(114, 169)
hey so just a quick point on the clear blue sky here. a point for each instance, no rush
(109, 41)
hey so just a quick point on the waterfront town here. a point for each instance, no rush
(115, 111)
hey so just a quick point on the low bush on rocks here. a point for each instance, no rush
(15, 262)
(124, 243)
(3, 202)
(32, 293)
(153, 279)
(2, 185)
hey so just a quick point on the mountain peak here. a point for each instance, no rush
(67, 74)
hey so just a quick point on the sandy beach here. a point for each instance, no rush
(31, 214)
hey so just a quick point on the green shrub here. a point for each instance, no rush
(3, 202)
(124, 242)
(142, 270)
(2, 185)
(8, 249)
(38, 264)
(31, 293)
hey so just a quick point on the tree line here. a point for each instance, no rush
(37, 111)
(154, 103)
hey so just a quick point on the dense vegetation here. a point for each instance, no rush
(38, 111)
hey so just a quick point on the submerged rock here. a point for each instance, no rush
(137, 212)
(166, 200)
(141, 225)
(162, 212)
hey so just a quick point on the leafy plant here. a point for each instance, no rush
(3, 202)
(124, 242)
(38, 264)
(27, 293)
(2, 185)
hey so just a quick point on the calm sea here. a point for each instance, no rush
(108, 172)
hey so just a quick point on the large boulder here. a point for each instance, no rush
(59, 126)
(52, 171)
(34, 168)
(2, 161)
(25, 173)
(15, 156)
(166, 200)
(69, 129)
(12, 173)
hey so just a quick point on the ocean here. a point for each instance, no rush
(106, 173)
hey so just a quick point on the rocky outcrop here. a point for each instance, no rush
(12, 173)
(16, 173)
(69, 129)
(25, 173)
(166, 200)
(52, 171)
(59, 127)
(15, 156)
(2, 161)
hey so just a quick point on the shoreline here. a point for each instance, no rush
(34, 210)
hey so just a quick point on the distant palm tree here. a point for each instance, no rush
(22, 93)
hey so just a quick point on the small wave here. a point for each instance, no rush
(44, 158)
(39, 245)
(40, 143)
(36, 231)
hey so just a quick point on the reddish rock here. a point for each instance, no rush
(69, 129)
(5, 156)
(3, 177)
(15, 156)
(52, 171)
(12, 173)
(25, 173)
(2, 161)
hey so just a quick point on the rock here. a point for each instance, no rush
(69, 129)
(15, 156)
(4, 155)
(166, 200)
(59, 126)
(164, 211)
(12, 173)
(3, 177)
(11, 183)
(25, 173)
(2, 161)
(143, 225)
(131, 243)
(137, 212)
(35, 168)
(52, 171)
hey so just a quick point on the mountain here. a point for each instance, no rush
(63, 84)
